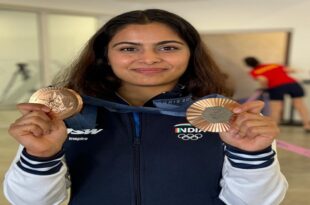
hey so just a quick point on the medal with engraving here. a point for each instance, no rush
(63, 102)
(211, 114)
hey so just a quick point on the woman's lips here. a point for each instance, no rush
(149, 70)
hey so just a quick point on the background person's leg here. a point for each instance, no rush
(276, 107)
(303, 112)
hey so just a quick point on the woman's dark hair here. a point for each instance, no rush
(251, 62)
(92, 75)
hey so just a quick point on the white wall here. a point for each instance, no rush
(19, 40)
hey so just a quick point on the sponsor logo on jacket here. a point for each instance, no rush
(74, 134)
(186, 131)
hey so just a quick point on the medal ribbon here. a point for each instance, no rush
(172, 107)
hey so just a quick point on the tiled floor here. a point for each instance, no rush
(295, 167)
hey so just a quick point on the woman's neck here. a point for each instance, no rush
(138, 96)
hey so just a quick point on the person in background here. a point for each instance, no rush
(274, 78)
(125, 157)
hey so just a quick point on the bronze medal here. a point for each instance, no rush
(63, 102)
(211, 114)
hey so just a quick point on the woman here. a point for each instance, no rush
(134, 61)
(277, 83)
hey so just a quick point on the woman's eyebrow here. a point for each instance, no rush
(170, 41)
(125, 42)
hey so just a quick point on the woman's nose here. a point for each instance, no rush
(150, 57)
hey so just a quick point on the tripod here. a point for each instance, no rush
(21, 70)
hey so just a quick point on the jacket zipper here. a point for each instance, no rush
(136, 155)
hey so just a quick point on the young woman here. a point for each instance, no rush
(119, 152)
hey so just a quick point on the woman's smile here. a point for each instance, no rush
(149, 71)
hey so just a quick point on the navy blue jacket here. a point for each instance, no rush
(143, 158)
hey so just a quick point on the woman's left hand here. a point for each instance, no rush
(249, 130)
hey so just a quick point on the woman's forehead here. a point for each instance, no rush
(152, 31)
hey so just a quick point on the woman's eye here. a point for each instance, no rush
(168, 48)
(128, 49)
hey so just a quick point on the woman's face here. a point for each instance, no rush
(148, 55)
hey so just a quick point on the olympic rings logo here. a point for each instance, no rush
(186, 137)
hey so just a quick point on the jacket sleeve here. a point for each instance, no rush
(252, 178)
(32, 180)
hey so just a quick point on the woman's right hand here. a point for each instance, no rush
(38, 130)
